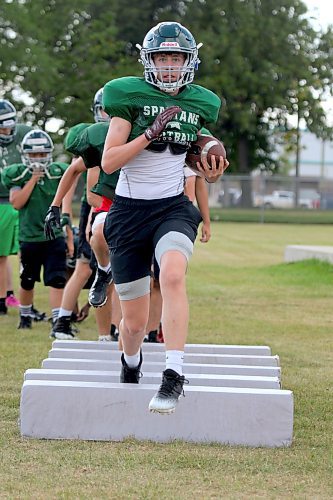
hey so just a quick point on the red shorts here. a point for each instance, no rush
(105, 205)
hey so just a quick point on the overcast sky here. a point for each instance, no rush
(322, 10)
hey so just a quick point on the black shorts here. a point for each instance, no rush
(133, 228)
(83, 249)
(51, 255)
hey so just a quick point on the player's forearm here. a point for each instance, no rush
(201, 194)
(116, 157)
(68, 198)
(64, 186)
(19, 197)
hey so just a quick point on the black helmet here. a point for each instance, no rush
(169, 37)
(37, 141)
(97, 107)
(7, 120)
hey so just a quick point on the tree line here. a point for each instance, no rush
(263, 58)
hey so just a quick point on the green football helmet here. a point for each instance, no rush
(7, 121)
(37, 141)
(169, 37)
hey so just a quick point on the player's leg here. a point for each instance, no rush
(131, 256)
(173, 249)
(132, 329)
(104, 317)
(3, 287)
(31, 263)
(155, 311)
(116, 317)
(11, 300)
(54, 263)
(8, 246)
(62, 328)
(98, 291)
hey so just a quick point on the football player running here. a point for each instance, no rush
(154, 120)
(32, 185)
(87, 146)
(81, 278)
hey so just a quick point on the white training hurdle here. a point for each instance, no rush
(233, 397)
(294, 253)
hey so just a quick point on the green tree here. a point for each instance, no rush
(258, 55)
(50, 59)
(60, 53)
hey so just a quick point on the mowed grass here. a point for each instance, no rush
(241, 292)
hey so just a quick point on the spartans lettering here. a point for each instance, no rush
(184, 116)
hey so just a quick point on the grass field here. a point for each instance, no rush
(240, 292)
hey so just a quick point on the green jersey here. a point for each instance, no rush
(32, 215)
(71, 139)
(89, 145)
(11, 153)
(138, 102)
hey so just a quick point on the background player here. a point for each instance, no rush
(32, 185)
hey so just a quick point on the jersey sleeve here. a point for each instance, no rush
(207, 102)
(15, 175)
(205, 131)
(116, 98)
(73, 135)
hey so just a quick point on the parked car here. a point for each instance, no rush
(229, 198)
(286, 199)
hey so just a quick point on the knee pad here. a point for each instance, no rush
(134, 289)
(27, 283)
(57, 282)
(174, 240)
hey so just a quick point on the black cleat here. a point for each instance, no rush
(152, 337)
(99, 288)
(114, 334)
(130, 375)
(3, 309)
(37, 315)
(62, 329)
(166, 398)
(25, 323)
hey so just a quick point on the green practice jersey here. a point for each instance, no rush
(89, 145)
(11, 153)
(70, 139)
(138, 102)
(32, 215)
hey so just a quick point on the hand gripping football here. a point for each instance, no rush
(204, 146)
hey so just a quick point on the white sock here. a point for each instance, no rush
(64, 312)
(132, 361)
(105, 268)
(55, 314)
(25, 310)
(174, 361)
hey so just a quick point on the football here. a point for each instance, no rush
(204, 146)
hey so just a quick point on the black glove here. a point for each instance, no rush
(65, 220)
(155, 130)
(52, 222)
